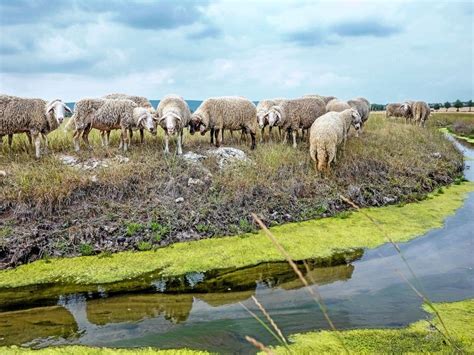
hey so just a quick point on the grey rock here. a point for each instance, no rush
(179, 200)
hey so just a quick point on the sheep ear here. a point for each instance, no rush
(141, 118)
(67, 108)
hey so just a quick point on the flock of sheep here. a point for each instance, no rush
(413, 111)
(326, 119)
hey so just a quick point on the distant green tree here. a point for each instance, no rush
(436, 107)
(469, 104)
(447, 105)
(458, 104)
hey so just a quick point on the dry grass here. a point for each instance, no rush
(389, 163)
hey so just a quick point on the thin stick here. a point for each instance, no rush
(315, 294)
(270, 320)
(262, 323)
(258, 345)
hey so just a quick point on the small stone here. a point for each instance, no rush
(94, 178)
(436, 155)
(179, 200)
(192, 181)
(3, 173)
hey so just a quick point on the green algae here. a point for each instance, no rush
(419, 337)
(311, 239)
(85, 350)
(467, 139)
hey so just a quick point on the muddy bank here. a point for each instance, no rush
(153, 201)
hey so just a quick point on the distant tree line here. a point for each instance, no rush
(437, 105)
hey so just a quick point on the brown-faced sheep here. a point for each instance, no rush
(329, 132)
(291, 115)
(35, 117)
(139, 100)
(232, 113)
(173, 115)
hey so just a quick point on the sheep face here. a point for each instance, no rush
(356, 119)
(274, 117)
(198, 123)
(170, 123)
(405, 108)
(262, 118)
(146, 119)
(58, 108)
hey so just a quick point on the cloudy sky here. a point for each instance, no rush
(386, 51)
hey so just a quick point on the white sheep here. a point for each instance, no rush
(232, 113)
(173, 114)
(329, 132)
(291, 115)
(35, 117)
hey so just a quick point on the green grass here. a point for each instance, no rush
(461, 125)
(419, 337)
(304, 240)
(86, 350)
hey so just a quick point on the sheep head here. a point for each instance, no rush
(170, 122)
(405, 108)
(262, 118)
(274, 116)
(356, 120)
(58, 109)
(145, 119)
(199, 122)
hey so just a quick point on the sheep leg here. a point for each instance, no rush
(10, 140)
(218, 140)
(85, 136)
(222, 134)
(212, 136)
(28, 135)
(102, 138)
(75, 140)
(262, 131)
(270, 136)
(37, 139)
(125, 139)
(46, 142)
(180, 142)
(142, 136)
(285, 136)
(294, 133)
(252, 135)
(167, 143)
(107, 138)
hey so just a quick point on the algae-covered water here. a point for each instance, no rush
(203, 311)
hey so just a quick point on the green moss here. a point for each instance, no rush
(467, 139)
(85, 350)
(310, 239)
(419, 337)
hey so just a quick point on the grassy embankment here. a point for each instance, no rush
(303, 240)
(461, 125)
(48, 209)
(419, 337)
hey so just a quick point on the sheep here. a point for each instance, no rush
(262, 109)
(231, 112)
(337, 105)
(293, 114)
(362, 105)
(420, 112)
(173, 115)
(108, 114)
(329, 132)
(35, 117)
(394, 109)
(140, 101)
(326, 99)
(84, 111)
(406, 110)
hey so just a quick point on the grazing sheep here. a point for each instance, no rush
(420, 112)
(140, 101)
(291, 115)
(173, 115)
(262, 110)
(394, 110)
(232, 113)
(106, 115)
(337, 105)
(329, 132)
(35, 117)
(407, 111)
(362, 106)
